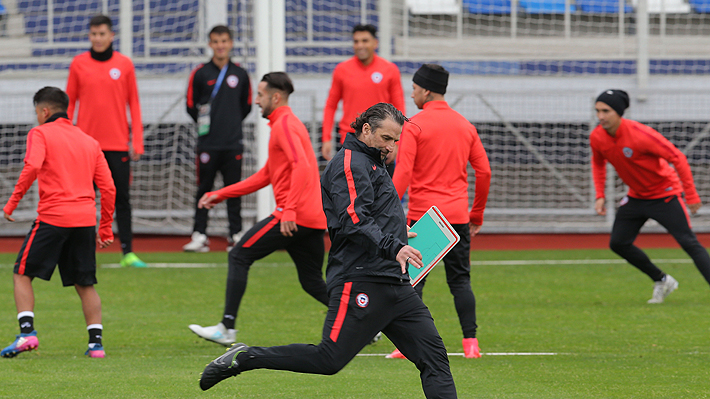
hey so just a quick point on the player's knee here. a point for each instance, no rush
(619, 247)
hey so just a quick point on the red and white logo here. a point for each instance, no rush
(232, 81)
(376, 77)
(114, 73)
(362, 300)
(374, 167)
(204, 157)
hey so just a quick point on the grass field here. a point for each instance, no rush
(593, 314)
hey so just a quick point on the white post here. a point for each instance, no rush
(215, 13)
(642, 63)
(363, 12)
(459, 20)
(513, 18)
(405, 28)
(125, 23)
(50, 21)
(568, 20)
(269, 33)
(146, 28)
(385, 29)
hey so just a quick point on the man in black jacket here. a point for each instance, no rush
(367, 276)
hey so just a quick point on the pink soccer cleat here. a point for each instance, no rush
(96, 352)
(23, 343)
(396, 355)
(470, 348)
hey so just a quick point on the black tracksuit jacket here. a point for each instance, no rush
(366, 222)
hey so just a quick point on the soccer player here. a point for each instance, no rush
(434, 153)
(367, 274)
(218, 99)
(362, 81)
(103, 81)
(296, 225)
(67, 163)
(641, 157)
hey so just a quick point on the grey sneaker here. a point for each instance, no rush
(198, 243)
(662, 288)
(218, 334)
(222, 367)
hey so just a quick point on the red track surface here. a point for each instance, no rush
(152, 243)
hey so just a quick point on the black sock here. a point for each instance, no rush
(95, 335)
(27, 324)
(228, 321)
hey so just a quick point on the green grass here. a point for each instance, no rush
(610, 343)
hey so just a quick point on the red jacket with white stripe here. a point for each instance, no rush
(641, 157)
(292, 171)
(366, 221)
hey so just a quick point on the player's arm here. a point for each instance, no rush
(293, 149)
(107, 188)
(193, 93)
(331, 105)
(72, 90)
(599, 177)
(249, 185)
(136, 117)
(406, 155)
(246, 99)
(480, 164)
(662, 147)
(34, 158)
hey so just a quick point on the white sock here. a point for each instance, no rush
(25, 314)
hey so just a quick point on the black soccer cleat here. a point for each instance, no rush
(222, 367)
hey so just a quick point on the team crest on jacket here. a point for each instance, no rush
(628, 152)
(232, 81)
(376, 77)
(204, 157)
(114, 73)
(362, 300)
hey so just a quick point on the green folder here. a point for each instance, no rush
(435, 238)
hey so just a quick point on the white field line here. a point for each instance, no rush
(482, 353)
(473, 263)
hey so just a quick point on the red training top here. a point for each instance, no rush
(291, 169)
(361, 87)
(67, 163)
(432, 162)
(640, 156)
(103, 88)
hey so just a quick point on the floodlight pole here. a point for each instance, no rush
(642, 62)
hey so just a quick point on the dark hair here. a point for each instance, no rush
(278, 81)
(376, 115)
(52, 96)
(366, 28)
(221, 29)
(435, 67)
(99, 20)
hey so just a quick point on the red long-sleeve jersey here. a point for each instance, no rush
(292, 171)
(361, 87)
(67, 163)
(103, 88)
(434, 150)
(641, 157)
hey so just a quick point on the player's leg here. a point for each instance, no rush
(356, 312)
(77, 267)
(307, 251)
(674, 216)
(120, 165)
(206, 165)
(37, 258)
(413, 331)
(630, 217)
(259, 241)
(231, 169)
(457, 264)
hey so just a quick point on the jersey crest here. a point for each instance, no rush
(114, 73)
(362, 300)
(628, 152)
(376, 77)
(232, 81)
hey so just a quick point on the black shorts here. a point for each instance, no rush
(72, 248)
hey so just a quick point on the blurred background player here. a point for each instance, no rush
(362, 81)
(67, 163)
(434, 153)
(218, 100)
(367, 271)
(103, 81)
(641, 157)
(296, 225)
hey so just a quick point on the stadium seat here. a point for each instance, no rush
(545, 6)
(602, 7)
(700, 6)
(497, 7)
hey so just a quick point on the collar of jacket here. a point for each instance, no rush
(278, 112)
(352, 143)
(105, 56)
(56, 116)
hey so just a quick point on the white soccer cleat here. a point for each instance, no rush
(662, 288)
(199, 243)
(218, 334)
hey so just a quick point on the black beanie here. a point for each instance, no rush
(618, 100)
(432, 79)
